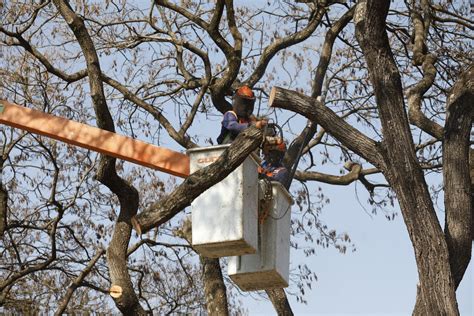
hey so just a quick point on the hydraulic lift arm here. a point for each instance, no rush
(95, 139)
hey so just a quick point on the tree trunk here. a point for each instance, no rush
(457, 182)
(471, 165)
(124, 295)
(398, 162)
(280, 302)
(214, 287)
(402, 169)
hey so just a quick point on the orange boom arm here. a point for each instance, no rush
(95, 139)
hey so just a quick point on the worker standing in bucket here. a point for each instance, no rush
(240, 117)
(272, 167)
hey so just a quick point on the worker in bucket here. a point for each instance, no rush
(272, 167)
(240, 117)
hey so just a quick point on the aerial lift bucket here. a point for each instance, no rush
(224, 217)
(269, 267)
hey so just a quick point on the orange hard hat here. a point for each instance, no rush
(275, 144)
(245, 92)
(281, 146)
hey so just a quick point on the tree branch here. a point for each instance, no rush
(77, 282)
(3, 208)
(333, 124)
(270, 51)
(280, 302)
(415, 96)
(353, 175)
(421, 57)
(326, 52)
(43, 60)
(127, 301)
(234, 59)
(128, 95)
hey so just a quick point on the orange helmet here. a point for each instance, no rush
(245, 92)
(274, 144)
(274, 153)
(243, 102)
(281, 146)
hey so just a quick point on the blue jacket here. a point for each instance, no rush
(231, 127)
(274, 172)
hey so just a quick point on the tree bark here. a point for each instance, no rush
(214, 287)
(280, 302)
(456, 175)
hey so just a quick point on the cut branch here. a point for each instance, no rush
(317, 112)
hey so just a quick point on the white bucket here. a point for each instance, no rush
(224, 217)
(269, 267)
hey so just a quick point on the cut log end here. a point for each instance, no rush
(136, 225)
(115, 291)
(271, 99)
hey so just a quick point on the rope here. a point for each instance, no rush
(265, 203)
(278, 218)
(265, 206)
(264, 211)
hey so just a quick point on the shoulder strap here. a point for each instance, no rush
(235, 114)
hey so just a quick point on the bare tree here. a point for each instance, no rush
(386, 88)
